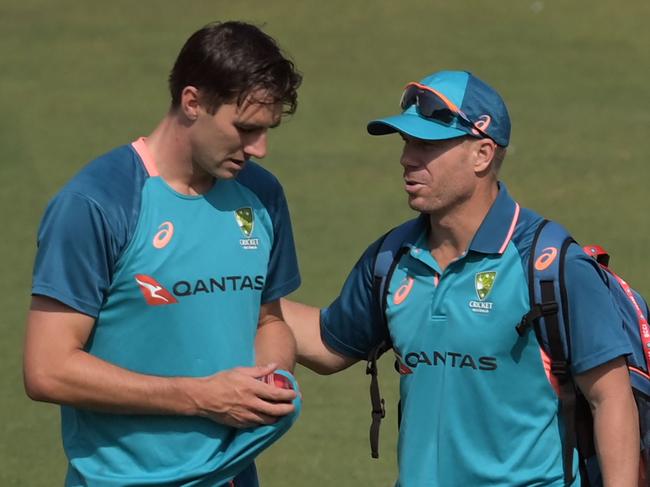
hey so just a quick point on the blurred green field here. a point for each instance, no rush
(82, 77)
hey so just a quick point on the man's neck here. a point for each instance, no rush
(170, 148)
(451, 232)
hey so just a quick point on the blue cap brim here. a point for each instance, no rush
(414, 126)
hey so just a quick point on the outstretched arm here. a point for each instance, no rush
(616, 427)
(312, 351)
(57, 369)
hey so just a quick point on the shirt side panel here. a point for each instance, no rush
(283, 276)
(85, 228)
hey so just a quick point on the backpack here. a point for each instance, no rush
(549, 319)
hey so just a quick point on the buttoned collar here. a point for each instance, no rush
(492, 236)
(496, 230)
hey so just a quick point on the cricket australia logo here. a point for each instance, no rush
(245, 219)
(483, 284)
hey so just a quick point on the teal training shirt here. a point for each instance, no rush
(175, 283)
(477, 400)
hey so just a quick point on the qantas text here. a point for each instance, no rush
(450, 359)
(218, 284)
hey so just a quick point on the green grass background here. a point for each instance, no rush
(79, 78)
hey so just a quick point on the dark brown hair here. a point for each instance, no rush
(227, 61)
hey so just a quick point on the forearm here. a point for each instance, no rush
(275, 344)
(617, 441)
(86, 381)
(57, 369)
(233, 397)
(616, 422)
(312, 352)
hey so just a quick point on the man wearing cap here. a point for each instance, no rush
(477, 406)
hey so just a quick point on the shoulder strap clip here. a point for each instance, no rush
(560, 369)
(536, 312)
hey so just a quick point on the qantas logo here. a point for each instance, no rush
(449, 359)
(218, 284)
(153, 292)
(400, 366)
(156, 294)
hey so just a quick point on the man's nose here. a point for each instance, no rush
(256, 147)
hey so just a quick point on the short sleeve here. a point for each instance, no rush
(283, 275)
(75, 255)
(352, 325)
(597, 333)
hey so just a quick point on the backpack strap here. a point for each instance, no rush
(389, 252)
(644, 328)
(598, 253)
(550, 320)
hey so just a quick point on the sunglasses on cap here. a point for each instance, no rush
(433, 105)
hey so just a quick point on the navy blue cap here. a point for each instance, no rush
(479, 101)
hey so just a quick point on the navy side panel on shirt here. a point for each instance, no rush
(283, 266)
(105, 197)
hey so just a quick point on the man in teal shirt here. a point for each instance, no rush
(478, 402)
(155, 320)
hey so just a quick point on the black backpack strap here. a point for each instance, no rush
(378, 411)
(550, 319)
(389, 252)
(539, 308)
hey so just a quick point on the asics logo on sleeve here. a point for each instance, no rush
(164, 235)
(153, 292)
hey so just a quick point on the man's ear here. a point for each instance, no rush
(484, 155)
(190, 105)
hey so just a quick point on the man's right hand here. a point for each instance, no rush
(237, 397)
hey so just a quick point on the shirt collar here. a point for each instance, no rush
(418, 231)
(499, 224)
(493, 235)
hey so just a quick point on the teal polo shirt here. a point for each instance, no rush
(175, 284)
(478, 403)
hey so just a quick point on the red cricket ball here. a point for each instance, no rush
(278, 380)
